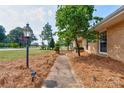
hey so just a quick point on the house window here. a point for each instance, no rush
(103, 42)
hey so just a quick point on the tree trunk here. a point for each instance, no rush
(78, 50)
(68, 48)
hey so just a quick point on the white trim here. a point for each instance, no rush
(103, 30)
(104, 53)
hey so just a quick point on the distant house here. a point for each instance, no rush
(111, 42)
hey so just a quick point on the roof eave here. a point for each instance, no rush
(111, 19)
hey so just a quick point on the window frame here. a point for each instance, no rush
(101, 52)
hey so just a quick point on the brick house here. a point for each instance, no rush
(111, 42)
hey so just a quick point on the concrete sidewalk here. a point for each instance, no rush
(61, 75)
(11, 49)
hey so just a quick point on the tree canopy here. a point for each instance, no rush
(2, 33)
(47, 34)
(17, 36)
(52, 43)
(74, 21)
(65, 38)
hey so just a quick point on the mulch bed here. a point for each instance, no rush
(98, 72)
(16, 75)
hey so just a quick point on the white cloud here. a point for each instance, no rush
(35, 14)
(18, 16)
(12, 17)
(50, 13)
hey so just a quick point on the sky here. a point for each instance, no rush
(38, 15)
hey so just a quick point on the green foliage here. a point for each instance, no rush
(74, 21)
(2, 34)
(97, 20)
(91, 36)
(52, 43)
(57, 46)
(12, 45)
(74, 18)
(2, 45)
(32, 38)
(43, 47)
(46, 34)
(64, 37)
(17, 36)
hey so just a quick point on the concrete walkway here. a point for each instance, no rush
(61, 75)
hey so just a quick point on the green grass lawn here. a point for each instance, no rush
(12, 55)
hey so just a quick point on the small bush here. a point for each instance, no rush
(14, 45)
(9, 45)
(1, 45)
(57, 48)
(80, 48)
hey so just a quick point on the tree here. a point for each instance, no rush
(52, 43)
(35, 44)
(65, 38)
(57, 47)
(2, 34)
(32, 38)
(76, 21)
(42, 43)
(97, 19)
(46, 34)
(16, 36)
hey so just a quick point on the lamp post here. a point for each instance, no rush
(27, 34)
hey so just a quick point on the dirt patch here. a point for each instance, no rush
(16, 75)
(98, 72)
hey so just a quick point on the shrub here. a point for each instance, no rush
(80, 48)
(43, 47)
(14, 45)
(57, 48)
(2, 45)
(11, 45)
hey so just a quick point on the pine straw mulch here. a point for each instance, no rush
(96, 71)
(16, 75)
